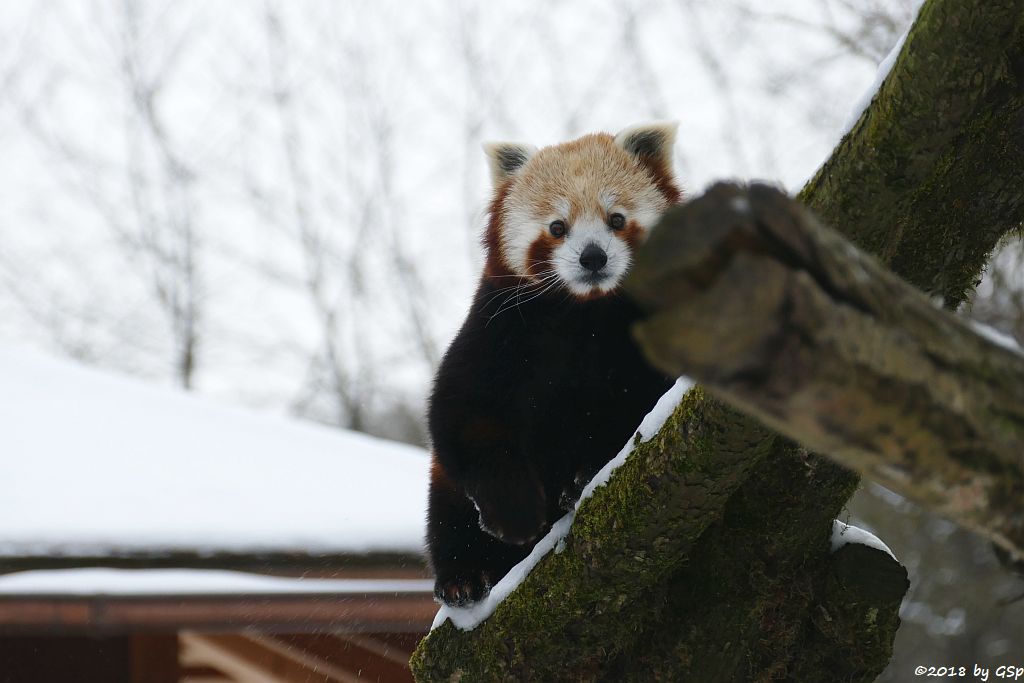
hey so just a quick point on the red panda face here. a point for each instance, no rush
(572, 215)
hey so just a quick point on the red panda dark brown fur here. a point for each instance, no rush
(526, 406)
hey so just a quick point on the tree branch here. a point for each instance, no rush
(789, 322)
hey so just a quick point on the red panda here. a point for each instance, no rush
(543, 385)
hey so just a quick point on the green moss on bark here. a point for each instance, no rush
(582, 607)
(767, 549)
(928, 178)
(849, 632)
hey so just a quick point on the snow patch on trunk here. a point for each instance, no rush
(997, 337)
(883, 72)
(843, 534)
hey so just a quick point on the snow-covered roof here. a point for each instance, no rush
(94, 464)
(131, 582)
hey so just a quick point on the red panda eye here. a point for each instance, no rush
(617, 221)
(557, 228)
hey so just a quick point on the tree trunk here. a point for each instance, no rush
(706, 556)
(928, 180)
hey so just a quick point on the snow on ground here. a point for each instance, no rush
(95, 581)
(843, 533)
(468, 618)
(93, 463)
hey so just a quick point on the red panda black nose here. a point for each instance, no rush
(593, 258)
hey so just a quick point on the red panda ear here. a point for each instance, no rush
(651, 142)
(506, 159)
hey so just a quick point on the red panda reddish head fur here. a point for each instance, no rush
(572, 215)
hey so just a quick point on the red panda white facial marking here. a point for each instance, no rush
(576, 212)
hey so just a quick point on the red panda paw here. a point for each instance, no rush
(514, 510)
(574, 489)
(461, 590)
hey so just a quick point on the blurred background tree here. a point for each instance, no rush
(280, 204)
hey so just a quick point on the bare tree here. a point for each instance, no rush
(161, 182)
(340, 365)
(865, 29)
(340, 210)
(151, 214)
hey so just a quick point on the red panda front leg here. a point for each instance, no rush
(487, 499)
(478, 454)
(487, 503)
(466, 560)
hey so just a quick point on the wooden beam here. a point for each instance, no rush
(244, 659)
(203, 674)
(374, 565)
(321, 658)
(355, 613)
(362, 655)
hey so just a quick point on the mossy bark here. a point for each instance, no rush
(929, 178)
(789, 322)
(849, 634)
(584, 605)
(706, 556)
(737, 608)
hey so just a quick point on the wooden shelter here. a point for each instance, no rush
(361, 625)
(147, 534)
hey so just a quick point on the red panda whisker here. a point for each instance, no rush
(519, 303)
(548, 288)
(523, 281)
(532, 293)
(543, 275)
(501, 292)
(516, 290)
